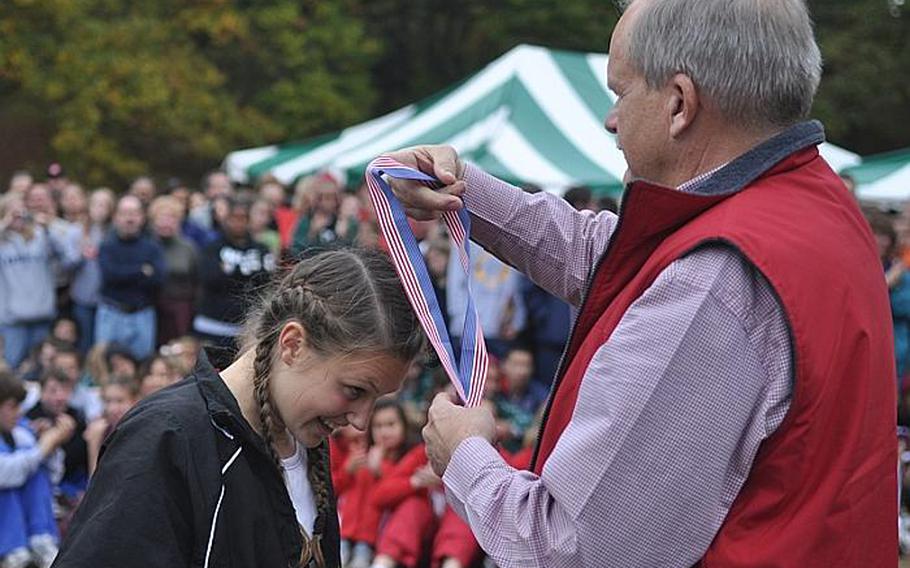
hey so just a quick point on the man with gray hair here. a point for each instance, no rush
(727, 397)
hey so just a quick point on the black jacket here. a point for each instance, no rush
(230, 274)
(184, 481)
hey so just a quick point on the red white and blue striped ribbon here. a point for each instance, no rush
(468, 373)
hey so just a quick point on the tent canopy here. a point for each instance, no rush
(883, 177)
(532, 116)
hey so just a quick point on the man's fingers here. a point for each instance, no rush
(420, 214)
(445, 164)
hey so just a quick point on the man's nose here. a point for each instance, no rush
(610, 122)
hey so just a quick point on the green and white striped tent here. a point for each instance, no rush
(883, 177)
(534, 115)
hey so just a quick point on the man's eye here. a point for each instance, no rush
(353, 393)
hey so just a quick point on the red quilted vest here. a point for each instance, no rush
(823, 488)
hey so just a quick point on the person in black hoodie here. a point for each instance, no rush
(231, 270)
(232, 469)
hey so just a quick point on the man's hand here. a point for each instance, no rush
(442, 162)
(448, 425)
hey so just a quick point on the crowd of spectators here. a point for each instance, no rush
(108, 296)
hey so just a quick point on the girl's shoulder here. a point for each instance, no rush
(415, 456)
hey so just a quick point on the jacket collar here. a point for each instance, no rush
(223, 408)
(745, 169)
(738, 173)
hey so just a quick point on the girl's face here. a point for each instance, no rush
(100, 207)
(387, 429)
(73, 200)
(117, 400)
(260, 216)
(159, 376)
(9, 415)
(122, 366)
(312, 395)
(17, 214)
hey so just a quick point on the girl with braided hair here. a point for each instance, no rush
(232, 468)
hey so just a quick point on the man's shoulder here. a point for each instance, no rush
(721, 272)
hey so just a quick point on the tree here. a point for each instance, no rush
(864, 98)
(127, 88)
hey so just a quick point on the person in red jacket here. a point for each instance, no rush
(363, 480)
(727, 396)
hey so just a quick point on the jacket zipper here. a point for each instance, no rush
(560, 373)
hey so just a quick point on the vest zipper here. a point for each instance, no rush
(560, 371)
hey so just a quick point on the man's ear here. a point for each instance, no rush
(291, 342)
(683, 104)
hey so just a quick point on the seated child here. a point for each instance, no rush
(388, 442)
(56, 393)
(28, 531)
(119, 395)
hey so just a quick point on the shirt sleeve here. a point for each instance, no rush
(17, 467)
(136, 511)
(670, 414)
(541, 234)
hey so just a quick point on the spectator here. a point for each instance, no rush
(496, 291)
(607, 203)
(261, 222)
(19, 183)
(56, 179)
(231, 269)
(324, 225)
(119, 395)
(437, 259)
(41, 359)
(287, 218)
(65, 330)
(56, 394)
(548, 325)
(132, 270)
(28, 530)
(581, 198)
(120, 361)
(86, 286)
(73, 204)
(27, 301)
(182, 354)
(898, 280)
(402, 490)
(85, 399)
(144, 189)
(521, 397)
(388, 441)
(158, 374)
(216, 185)
(97, 370)
(272, 191)
(177, 296)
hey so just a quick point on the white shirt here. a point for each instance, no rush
(299, 488)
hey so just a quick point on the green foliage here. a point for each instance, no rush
(169, 87)
(864, 98)
(430, 44)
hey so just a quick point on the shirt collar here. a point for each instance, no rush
(743, 170)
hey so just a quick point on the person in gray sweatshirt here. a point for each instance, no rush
(27, 280)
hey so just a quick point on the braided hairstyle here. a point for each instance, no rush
(348, 301)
